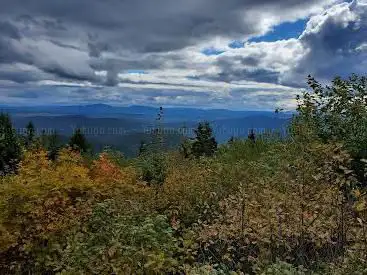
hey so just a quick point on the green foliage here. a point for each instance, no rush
(252, 136)
(153, 168)
(185, 148)
(110, 243)
(10, 149)
(283, 268)
(142, 148)
(53, 146)
(116, 157)
(336, 113)
(51, 143)
(208, 270)
(30, 134)
(79, 142)
(204, 144)
(354, 263)
(244, 150)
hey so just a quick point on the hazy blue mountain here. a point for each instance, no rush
(123, 128)
(138, 112)
(66, 124)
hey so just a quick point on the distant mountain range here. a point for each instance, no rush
(123, 128)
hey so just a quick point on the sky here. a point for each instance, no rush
(234, 54)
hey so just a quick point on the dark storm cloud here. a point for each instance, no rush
(9, 30)
(9, 33)
(140, 62)
(149, 26)
(174, 93)
(258, 75)
(25, 94)
(66, 74)
(249, 69)
(18, 76)
(251, 60)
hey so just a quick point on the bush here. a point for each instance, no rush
(283, 268)
(153, 168)
(337, 113)
(287, 207)
(111, 243)
(46, 198)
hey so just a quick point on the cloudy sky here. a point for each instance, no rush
(235, 54)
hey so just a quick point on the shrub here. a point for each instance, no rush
(46, 198)
(337, 113)
(153, 168)
(106, 170)
(111, 243)
(283, 268)
(293, 208)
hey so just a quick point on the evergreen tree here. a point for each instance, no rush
(30, 134)
(158, 133)
(251, 135)
(43, 139)
(154, 169)
(79, 142)
(10, 149)
(204, 144)
(142, 148)
(53, 146)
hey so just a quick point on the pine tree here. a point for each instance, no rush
(10, 149)
(251, 135)
(79, 142)
(142, 148)
(30, 135)
(158, 133)
(53, 146)
(43, 139)
(204, 144)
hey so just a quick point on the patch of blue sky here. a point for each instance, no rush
(212, 51)
(136, 72)
(283, 31)
(236, 44)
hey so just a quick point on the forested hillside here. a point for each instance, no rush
(268, 204)
(122, 128)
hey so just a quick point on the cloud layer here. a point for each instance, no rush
(174, 52)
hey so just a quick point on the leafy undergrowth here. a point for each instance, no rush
(255, 208)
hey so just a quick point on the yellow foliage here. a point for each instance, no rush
(45, 198)
(186, 186)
